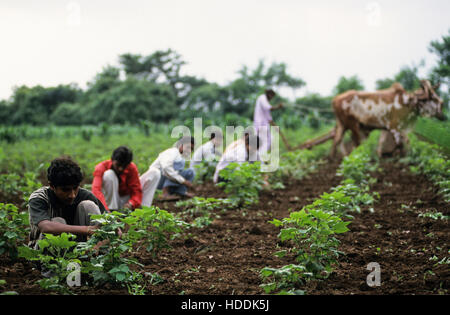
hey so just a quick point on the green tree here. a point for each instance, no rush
(309, 109)
(131, 101)
(35, 105)
(68, 114)
(207, 98)
(316, 103)
(382, 84)
(103, 81)
(346, 84)
(5, 112)
(407, 76)
(244, 90)
(442, 49)
(162, 67)
(441, 72)
(275, 76)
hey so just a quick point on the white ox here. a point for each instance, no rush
(393, 110)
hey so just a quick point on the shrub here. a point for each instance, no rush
(55, 254)
(199, 209)
(153, 226)
(425, 158)
(313, 233)
(12, 229)
(242, 182)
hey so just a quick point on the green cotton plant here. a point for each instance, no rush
(54, 254)
(204, 171)
(355, 196)
(312, 230)
(10, 183)
(153, 227)
(363, 160)
(434, 215)
(14, 185)
(357, 167)
(356, 170)
(242, 183)
(336, 202)
(312, 233)
(105, 250)
(29, 183)
(425, 158)
(199, 209)
(13, 229)
(202, 204)
(344, 198)
(284, 280)
(297, 164)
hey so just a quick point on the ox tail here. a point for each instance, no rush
(316, 141)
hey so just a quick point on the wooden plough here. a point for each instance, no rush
(310, 143)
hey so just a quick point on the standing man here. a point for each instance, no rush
(167, 173)
(116, 181)
(262, 119)
(62, 207)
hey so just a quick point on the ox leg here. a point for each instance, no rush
(337, 139)
(355, 135)
(398, 137)
(343, 148)
(386, 144)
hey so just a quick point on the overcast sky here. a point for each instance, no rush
(51, 42)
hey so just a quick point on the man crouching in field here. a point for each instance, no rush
(62, 207)
(116, 181)
(167, 172)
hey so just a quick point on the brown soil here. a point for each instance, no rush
(226, 256)
(396, 238)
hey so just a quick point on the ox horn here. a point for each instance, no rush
(426, 89)
(436, 86)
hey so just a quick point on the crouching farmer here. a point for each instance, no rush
(116, 181)
(62, 207)
(167, 173)
(242, 150)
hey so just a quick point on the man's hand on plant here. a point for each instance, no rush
(128, 205)
(90, 229)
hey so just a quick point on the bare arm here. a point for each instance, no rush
(276, 107)
(56, 228)
(168, 170)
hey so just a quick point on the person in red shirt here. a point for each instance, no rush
(116, 182)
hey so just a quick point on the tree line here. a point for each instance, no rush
(146, 89)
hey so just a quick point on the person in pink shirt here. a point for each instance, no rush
(262, 119)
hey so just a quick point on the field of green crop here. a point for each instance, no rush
(302, 223)
(434, 131)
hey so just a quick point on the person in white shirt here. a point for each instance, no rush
(208, 151)
(239, 151)
(167, 173)
(262, 119)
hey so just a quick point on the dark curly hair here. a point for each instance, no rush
(123, 155)
(63, 171)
